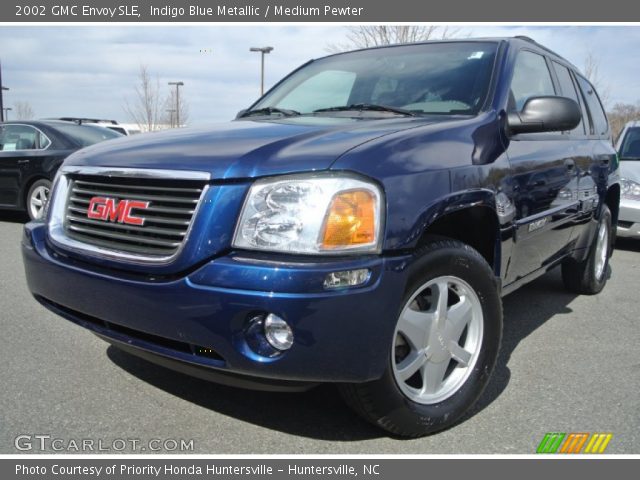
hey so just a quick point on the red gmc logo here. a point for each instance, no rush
(112, 210)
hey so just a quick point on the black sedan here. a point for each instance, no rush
(30, 154)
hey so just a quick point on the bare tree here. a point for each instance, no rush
(23, 111)
(169, 116)
(363, 36)
(592, 72)
(620, 114)
(145, 107)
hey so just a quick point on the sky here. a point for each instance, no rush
(91, 71)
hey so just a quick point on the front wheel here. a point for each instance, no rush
(444, 346)
(37, 198)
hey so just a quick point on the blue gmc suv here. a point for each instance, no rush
(359, 225)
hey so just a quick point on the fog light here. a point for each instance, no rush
(278, 332)
(347, 278)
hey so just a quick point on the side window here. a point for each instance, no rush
(43, 141)
(335, 87)
(8, 138)
(598, 117)
(568, 89)
(18, 137)
(531, 78)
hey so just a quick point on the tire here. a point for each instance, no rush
(411, 406)
(37, 198)
(589, 276)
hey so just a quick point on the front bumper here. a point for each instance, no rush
(629, 219)
(199, 318)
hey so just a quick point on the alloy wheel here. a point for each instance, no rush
(602, 250)
(38, 201)
(437, 340)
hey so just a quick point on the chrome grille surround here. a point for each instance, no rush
(165, 232)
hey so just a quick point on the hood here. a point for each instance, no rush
(245, 149)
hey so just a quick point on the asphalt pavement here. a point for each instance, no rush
(568, 364)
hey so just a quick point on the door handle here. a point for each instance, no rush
(22, 162)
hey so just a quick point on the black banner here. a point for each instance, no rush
(381, 469)
(353, 11)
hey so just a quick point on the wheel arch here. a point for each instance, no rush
(471, 218)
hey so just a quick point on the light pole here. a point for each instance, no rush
(263, 51)
(2, 89)
(178, 85)
(6, 113)
(171, 112)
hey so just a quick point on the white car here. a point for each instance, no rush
(124, 129)
(628, 148)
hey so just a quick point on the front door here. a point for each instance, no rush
(545, 176)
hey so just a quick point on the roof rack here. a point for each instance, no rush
(531, 40)
(80, 120)
(528, 39)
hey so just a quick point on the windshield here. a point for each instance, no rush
(437, 78)
(630, 149)
(85, 135)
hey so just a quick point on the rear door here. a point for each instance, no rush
(595, 168)
(544, 175)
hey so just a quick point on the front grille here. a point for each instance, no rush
(170, 211)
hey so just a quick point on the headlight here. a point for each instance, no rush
(311, 214)
(630, 189)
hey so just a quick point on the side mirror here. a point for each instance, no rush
(241, 112)
(545, 114)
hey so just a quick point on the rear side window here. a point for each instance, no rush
(531, 78)
(598, 117)
(568, 89)
(44, 141)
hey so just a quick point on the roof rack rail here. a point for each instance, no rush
(531, 40)
(81, 120)
(528, 39)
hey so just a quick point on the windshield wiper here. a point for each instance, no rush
(270, 111)
(367, 107)
(629, 158)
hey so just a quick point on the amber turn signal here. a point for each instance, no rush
(351, 220)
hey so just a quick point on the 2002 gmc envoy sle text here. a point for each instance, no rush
(357, 225)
